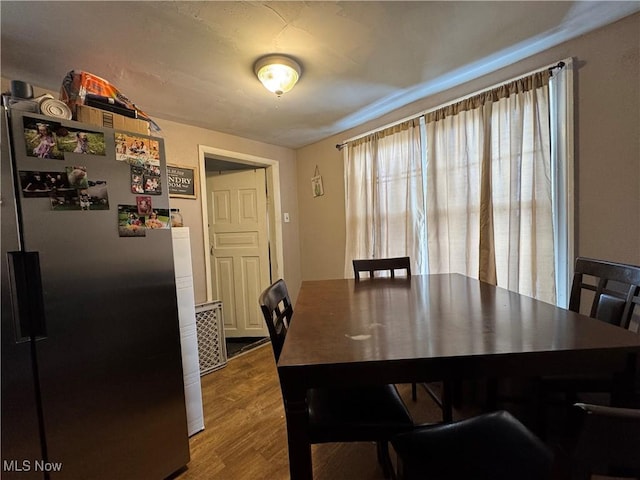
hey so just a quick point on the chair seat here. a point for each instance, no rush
(492, 446)
(357, 414)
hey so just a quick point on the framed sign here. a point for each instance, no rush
(182, 181)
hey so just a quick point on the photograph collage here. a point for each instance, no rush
(72, 187)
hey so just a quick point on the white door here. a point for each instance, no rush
(238, 237)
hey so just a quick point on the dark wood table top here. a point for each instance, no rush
(432, 327)
(431, 319)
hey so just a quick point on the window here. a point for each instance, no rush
(479, 187)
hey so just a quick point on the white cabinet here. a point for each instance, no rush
(188, 335)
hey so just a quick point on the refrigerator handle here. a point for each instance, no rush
(26, 295)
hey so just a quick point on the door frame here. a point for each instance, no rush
(274, 208)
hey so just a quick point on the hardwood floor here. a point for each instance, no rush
(245, 436)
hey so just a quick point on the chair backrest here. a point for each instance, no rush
(379, 264)
(616, 288)
(608, 441)
(277, 311)
(493, 446)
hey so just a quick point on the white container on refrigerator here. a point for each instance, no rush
(188, 334)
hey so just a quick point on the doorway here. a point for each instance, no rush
(227, 163)
(239, 254)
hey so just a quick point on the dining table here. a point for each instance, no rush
(440, 327)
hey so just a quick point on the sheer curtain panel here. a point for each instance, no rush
(481, 187)
(384, 196)
(521, 192)
(455, 139)
(489, 210)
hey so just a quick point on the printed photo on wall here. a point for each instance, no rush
(137, 150)
(40, 138)
(158, 218)
(77, 176)
(129, 222)
(36, 184)
(152, 169)
(91, 195)
(152, 185)
(80, 141)
(94, 197)
(64, 200)
(137, 179)
(98, 196)
(144, 205)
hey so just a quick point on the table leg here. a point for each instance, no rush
(300, 467)
(447, 401)
(623, 394)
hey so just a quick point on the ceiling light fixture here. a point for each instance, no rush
(278, 73)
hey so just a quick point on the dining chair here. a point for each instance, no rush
(389, 265)
(615, 286)
(362, 414)
(604, 290)
(608, 442)
(491, 446)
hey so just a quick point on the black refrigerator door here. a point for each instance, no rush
(21, 441)
(110, 368)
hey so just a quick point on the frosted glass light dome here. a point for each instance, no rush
(277, 73)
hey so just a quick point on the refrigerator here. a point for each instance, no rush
(92, 383)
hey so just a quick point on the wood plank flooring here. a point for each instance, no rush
(245, 436)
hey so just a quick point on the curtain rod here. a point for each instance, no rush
(551, 68)
(558, 65)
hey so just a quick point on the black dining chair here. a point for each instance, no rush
(391, 265)
(359, 414)
(608, 442)
(491, 446)
(373, 265)
(388, 265)
(615, 288)
(604, 290)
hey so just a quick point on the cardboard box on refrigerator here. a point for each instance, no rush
(103, 118)
(78, 87)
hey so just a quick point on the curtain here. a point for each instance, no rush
(478, 201)
(384, 197)
(521, 193)
(562, 175)
(489, 205)
(454, 154)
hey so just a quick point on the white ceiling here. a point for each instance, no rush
(191, 62)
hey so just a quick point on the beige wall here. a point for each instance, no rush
(607, 160)
(181, 146)
(322, 219)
